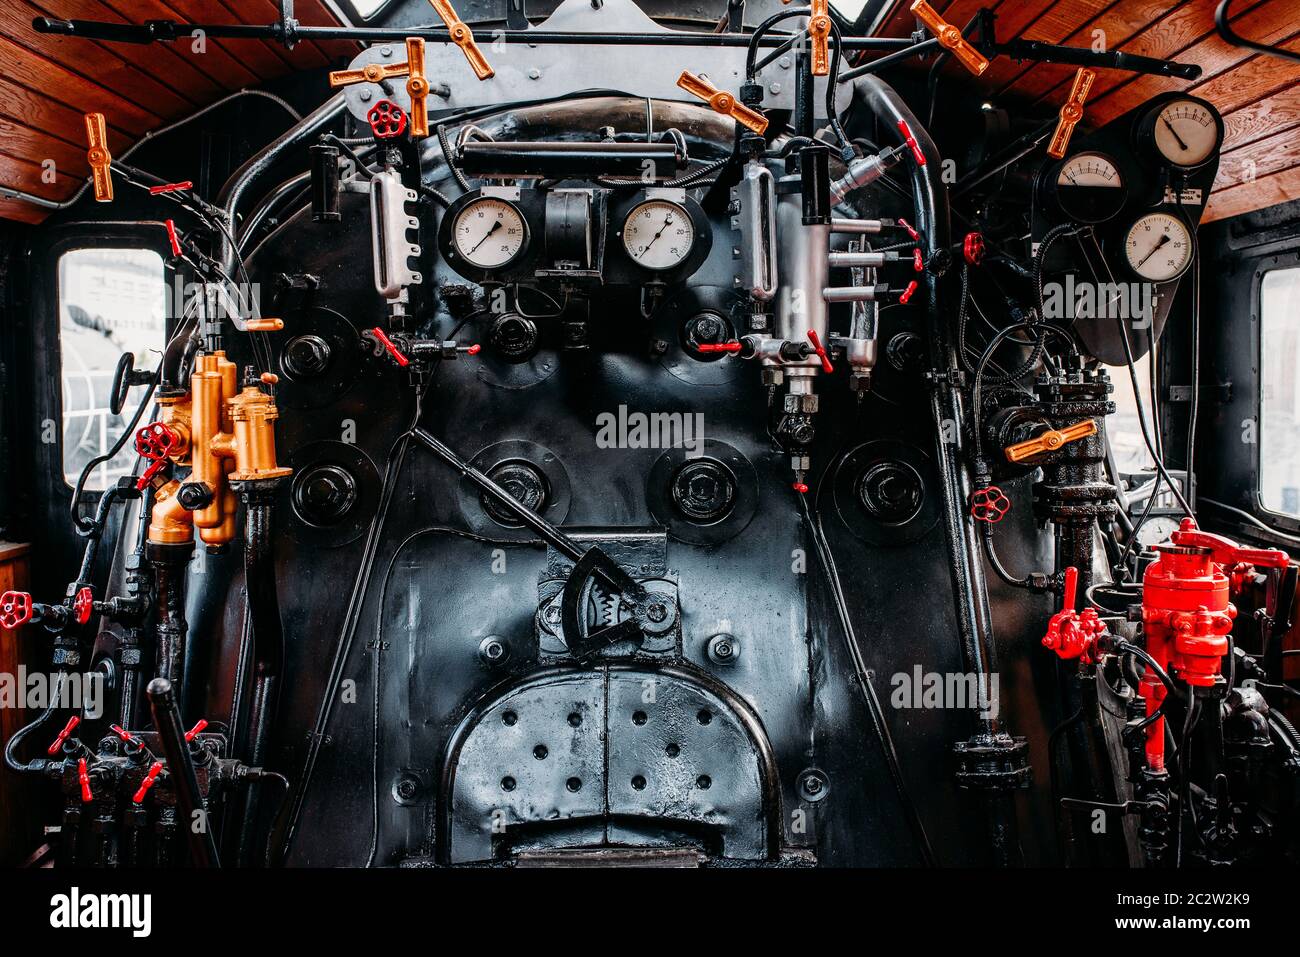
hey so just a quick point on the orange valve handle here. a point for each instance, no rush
(1071, 112)
(417, 87)
(1051, 440)
(819, 28)
(98, 156)
(722, 102)
(951, 38)
(370, 73)
(463, 37)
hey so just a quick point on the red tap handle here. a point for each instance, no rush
(125, 735)
(154, 442)
(193, 732)
(918, 261)
(820, 350)
(1225, 551)
(84, 777)
(392, 349)
(972, 248)
(909, 292)
(800, 487)
(1071, 588)
(155, 769)
(911, 142)
(911, 230)
(172, 237)
(171, 187)
(473, 350)
(63, 735)
(718, 347)
(83, 606)
(15, 609)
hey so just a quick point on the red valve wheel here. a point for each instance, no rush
(15, 609)
(83, 606)
(155, 441)
(989, 505)
(972, 248)
(387, 120)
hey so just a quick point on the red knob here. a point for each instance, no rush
(84, 777)
(387, 120)
(15, 609)
(911, 142)
(820, 350)
(918, 261)
(800, 487)
(172, 237)
(125, 735)
(989, 505)
(83, 605)
(718, 347)
(474, 350)
(909, 292)
(392, 349)
(63, 735)
(155, 769)
(193, 732)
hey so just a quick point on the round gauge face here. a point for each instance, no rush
(1089, 188)
(1156, 530)
(489, 232)
(658, 234)
(1186, 133)
(1159, 247)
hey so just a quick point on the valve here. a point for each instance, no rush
(1072, 112)
(154, 443)
(99, 157)
(68, 728)
(800, 487)
(819, 28)
(126, 736)
(1050, 441)
(951, 38)
(462, 36)
(15, 609)
(388, 344)
(906, 295)
(155, 769)
(193, 732)
(171, 188)
(989, 504)
(417, 85)
(905, 225)
(387, 120)
(719, 347)
(83, 606)
(173, 238)
(1225, 551)
(720, 101)
(820, 350)
(917, 154)
(1070, 633)
(83, 776)
(918, 261)
(972, 249)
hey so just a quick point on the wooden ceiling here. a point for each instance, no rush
(1258, 95)
(47, 82)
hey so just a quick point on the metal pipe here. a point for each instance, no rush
(180, 767)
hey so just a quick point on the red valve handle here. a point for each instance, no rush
(800, 487)
(84, 777)
(154, 442)
(171, 187)
(125, 735)
(63, 735)
(918, 261)
(909, 292)
(15, 609)
(392, 349)
(972, 248)
(911, 142)
(83, 606)
(989, 504)
(172, 237)
(718, 347)
(155, 769)
(820, 350)
(474, 350)
(911, 230)
(1225, 551)
(387, 120)
(192, 733)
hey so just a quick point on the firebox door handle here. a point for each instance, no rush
(1050, 441)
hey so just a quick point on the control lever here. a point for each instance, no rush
(720, 101)
(417, 85)
(951, 38)
(463, 37)
(819, 28)
(1072, 112)
(99, 157)
(1050, 441)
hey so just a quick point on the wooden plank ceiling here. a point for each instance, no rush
(48, 82)
(1258, 95)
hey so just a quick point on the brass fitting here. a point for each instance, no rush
(170, 523)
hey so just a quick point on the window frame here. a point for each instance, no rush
(1285, 521)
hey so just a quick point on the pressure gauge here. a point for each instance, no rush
(489, 232)
(1185, 132)
(1089, 188)
(1159, 247)
(658, 234)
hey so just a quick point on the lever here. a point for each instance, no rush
(83, 776)
(99, 157)
(417, 85)
(1050, 441)
(463, 38)
(819, 28)
(950, 38)
(820, 350)
(63, 735)
(1071, 112)
(720, 101)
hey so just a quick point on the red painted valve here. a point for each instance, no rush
(393, 351)
(193, 732)
(972, 249)
(83, 606)
(63, 735)
(909, 292)
(1070, 633)
(15, 609)
(125, 735)
(911, 230)
(911, 142)
(155, 769)
(387, 120)
(800, 487)
(918, 261)
(718, 347)
(989, 504)
(154, 443)
(84, 777)
(172, 237)
(820, 350)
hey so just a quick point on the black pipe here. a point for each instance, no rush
(180, 768)
(170, 628)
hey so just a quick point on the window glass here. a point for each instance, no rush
(1124, 428)
(368, 8)
(1279, 399)
(111, 301)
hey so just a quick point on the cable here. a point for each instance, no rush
(1196, 378)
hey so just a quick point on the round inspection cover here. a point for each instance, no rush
(532, 473)
(887, 493)
(332, 495)
(703, 499)
(317, 357)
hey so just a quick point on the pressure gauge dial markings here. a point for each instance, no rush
(1159, 247)
(489, 233)
(658, 234)
(1089, 188)
(1186, 132)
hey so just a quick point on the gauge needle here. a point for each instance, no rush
(1176, 136)
(1164, 240)
(667, 222)
(495, 226)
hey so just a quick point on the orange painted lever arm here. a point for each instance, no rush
(950, 38)
(1071, 112)
(722, 102)
(1051, 440)
(462, 36)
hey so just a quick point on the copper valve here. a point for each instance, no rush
(417, 87)
(266, 324)
(722, 102)
(463, 38)
(99, 157)
(1051, 440)
(1071, 112)
(950, 38)
(819, 29)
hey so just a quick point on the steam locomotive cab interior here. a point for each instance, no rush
(495, 433)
